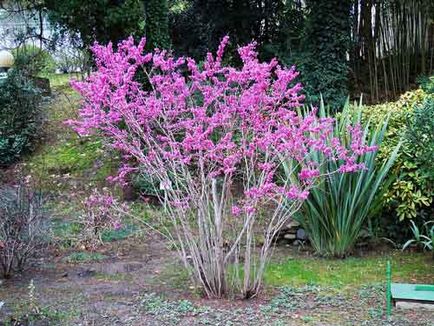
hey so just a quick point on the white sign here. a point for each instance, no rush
(165, 185)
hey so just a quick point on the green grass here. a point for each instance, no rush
(350, 272)
(72, 156)
(63, 152)
(82, 160)
(83, 257)
(117, 277)
(60, 80)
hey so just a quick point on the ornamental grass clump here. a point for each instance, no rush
(214, 138)
(341, 204)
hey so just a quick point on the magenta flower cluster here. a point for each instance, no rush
(211, 118)
(103, 211)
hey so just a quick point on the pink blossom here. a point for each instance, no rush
(208, 123)
(236, 211)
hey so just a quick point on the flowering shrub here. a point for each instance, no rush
(101, 212)
(204, 132)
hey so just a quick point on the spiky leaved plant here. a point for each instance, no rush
(339, 206)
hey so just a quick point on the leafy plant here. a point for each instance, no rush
(420, 138)
(99, 20)
(338, 208)
(424, 241)
(412, 191)
(323, 60)
(80, 257)
(20, 117)
(34, 61)
(146, 185)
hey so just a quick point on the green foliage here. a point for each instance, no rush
(338, 208)
(409, 121)
(146, 185)
(427, 84)
(420, 137)
(20, 117)
(98, 20)
(34, 61)
(157, 24)
(199, 25)
(291, 298)
(323, 60)
(110, 235)
(421, 238)
(81, 257)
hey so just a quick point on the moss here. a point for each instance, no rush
(63, 158)
(74, 162)
(69, 157)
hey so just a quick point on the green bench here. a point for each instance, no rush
(411, 294)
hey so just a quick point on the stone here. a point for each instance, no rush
(290, 236)
(292, 224)
(414, 305)
(301, 234)
(89, 272)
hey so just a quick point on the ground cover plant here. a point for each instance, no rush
(200, 132)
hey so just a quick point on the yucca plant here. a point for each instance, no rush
(337, 209)
(424, 241)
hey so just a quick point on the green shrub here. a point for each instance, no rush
(409, 119)
(34, 61)
(420, 137)
(338, 208)
(20, 117)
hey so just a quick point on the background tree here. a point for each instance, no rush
(325, 44)
(98, 20)
(157, 23)
(243, 20)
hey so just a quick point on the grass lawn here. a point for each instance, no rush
(351, 272)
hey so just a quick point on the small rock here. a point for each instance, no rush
(289, 236)
(87, 273)
(292, 224)
(301, 234)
